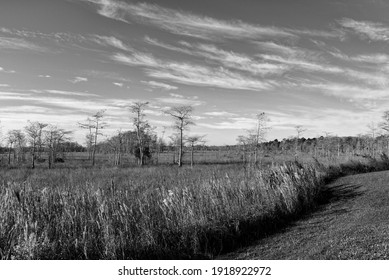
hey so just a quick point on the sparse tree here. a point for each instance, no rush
(94, 124)
(54, 138)
(89, 137)
(299, 130)
(115, 143)
(258, 135)
(34, 137)
(11, 139)
(243, 142)
(160, 143)
(182, 116)
(141, 126)
(372, 135)
(174, 144)
(19, 144)
(193, 141)
(384, 125)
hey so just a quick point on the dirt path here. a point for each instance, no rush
(352, 224)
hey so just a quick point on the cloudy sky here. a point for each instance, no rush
(320, 64)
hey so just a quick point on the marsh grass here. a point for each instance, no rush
(151, 213)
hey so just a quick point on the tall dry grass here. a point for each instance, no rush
(149, 213)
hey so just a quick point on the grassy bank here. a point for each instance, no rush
(153, 213)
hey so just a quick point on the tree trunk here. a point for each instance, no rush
(33, 160)
(387, 148)
(191, 158)
(181, 146)
(9, 155)
(94, 147)
(140, 160)
(50, 159)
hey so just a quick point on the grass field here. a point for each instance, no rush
(158, 212)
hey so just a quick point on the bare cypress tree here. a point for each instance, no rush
(257, 136)
(384, 125)
(300, 130)
(34, 137)
(20, 141)
(243, 142)
(372, 135)
(141, 126)
(182, 116)
(11, 140)
(194, 140)
(94, 124)
(115, 144)
(54, 138)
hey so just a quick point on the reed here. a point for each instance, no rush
(151, 213)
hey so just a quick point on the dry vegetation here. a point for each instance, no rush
(154, 212)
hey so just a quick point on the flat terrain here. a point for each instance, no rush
(352, 223)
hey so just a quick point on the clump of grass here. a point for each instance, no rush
(150, 213)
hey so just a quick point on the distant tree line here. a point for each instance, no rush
(42, 142)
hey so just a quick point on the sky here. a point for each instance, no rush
(322, 65)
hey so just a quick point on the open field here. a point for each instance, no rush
(80, 159)
(154, 212)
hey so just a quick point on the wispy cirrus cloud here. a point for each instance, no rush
(159, 85)
(27, 34)
(111, 41)
(76, 80)
(191, 74)
(229, 59)
(233, 123)
(366, 29)
(185, 23)
(376, 58)
(273, 47)
(368, 58)
(158, 43)
(303, 64)
(198, 26)
(71, 93)
(376, 78)
(296, 58)
(106, 75)
(360, 95)
(19, 44)
(178, 99)
(137, 59)
(219, 114)
(239, 61)
(79, 101)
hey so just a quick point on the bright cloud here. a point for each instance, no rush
(159, 85)
(178, 99)
(366, 29)
(78, 80)
(111, 41)
(118, 84)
